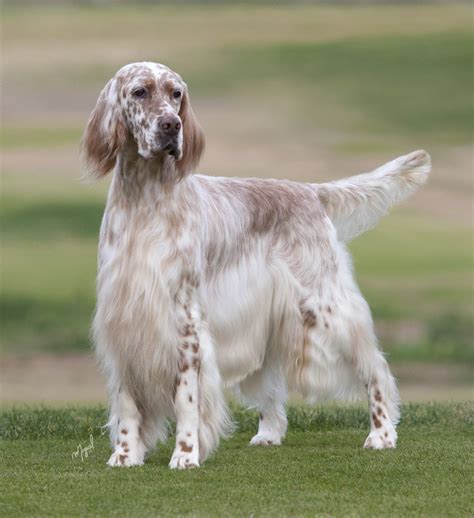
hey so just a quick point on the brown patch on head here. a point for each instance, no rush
(195, 348)
(378, 396)
(124, 444)
(185, 447)
(379, 411)
(122, 458)
(126, 450)
(183, 367)
(124, 431)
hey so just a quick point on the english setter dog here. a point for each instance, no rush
(206, 282)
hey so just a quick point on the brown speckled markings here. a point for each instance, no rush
(310, 322)
(383, 434)
(186, 453)
(205, 278)
(184, 447)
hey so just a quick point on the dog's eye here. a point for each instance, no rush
(139, 92)
(177, 94)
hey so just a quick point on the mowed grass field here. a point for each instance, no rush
(306, 93)
(320, 470)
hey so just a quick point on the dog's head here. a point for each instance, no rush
(148, 105)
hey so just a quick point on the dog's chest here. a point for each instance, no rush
(140, 265)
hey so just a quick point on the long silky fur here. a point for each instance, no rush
(356, 204)
(259, 265)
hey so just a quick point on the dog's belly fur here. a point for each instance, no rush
(239, 310)
(263, 314)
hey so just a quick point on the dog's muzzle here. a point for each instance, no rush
(169, 127)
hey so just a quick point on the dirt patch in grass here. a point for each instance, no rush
(75, 378)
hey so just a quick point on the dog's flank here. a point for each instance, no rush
(205, 282)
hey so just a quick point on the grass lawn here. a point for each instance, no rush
(320, 470)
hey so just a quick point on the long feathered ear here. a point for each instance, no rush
(193, 139)
(105, 133)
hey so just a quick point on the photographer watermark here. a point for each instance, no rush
(83, 452)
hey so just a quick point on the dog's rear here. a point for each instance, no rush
(356, 204)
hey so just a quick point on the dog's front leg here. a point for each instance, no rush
(125, 420)
(186, 403)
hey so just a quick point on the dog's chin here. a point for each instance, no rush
(169, 150)
(174, 152)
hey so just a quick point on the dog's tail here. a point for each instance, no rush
(356, 204)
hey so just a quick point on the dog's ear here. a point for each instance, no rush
(193, 138)
(105, 133)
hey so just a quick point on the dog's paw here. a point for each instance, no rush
(381, 439)
(265, 440)
(122, 459)
(184, 460)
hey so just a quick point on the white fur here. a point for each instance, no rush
(238, 282)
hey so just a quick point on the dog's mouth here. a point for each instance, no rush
(171, 149)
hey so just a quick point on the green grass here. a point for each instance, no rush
(320, 470)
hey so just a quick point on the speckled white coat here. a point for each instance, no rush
(209, 282)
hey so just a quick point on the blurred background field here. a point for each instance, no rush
(300, 91)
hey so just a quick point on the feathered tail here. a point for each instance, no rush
(356, 204)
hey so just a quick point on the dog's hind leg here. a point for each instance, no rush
(373, 370)
(383, 403)
(266, 391)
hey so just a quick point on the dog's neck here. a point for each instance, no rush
(138, 180)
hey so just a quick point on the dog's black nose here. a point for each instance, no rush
(170, 124)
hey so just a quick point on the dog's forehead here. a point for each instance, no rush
(135, 73)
